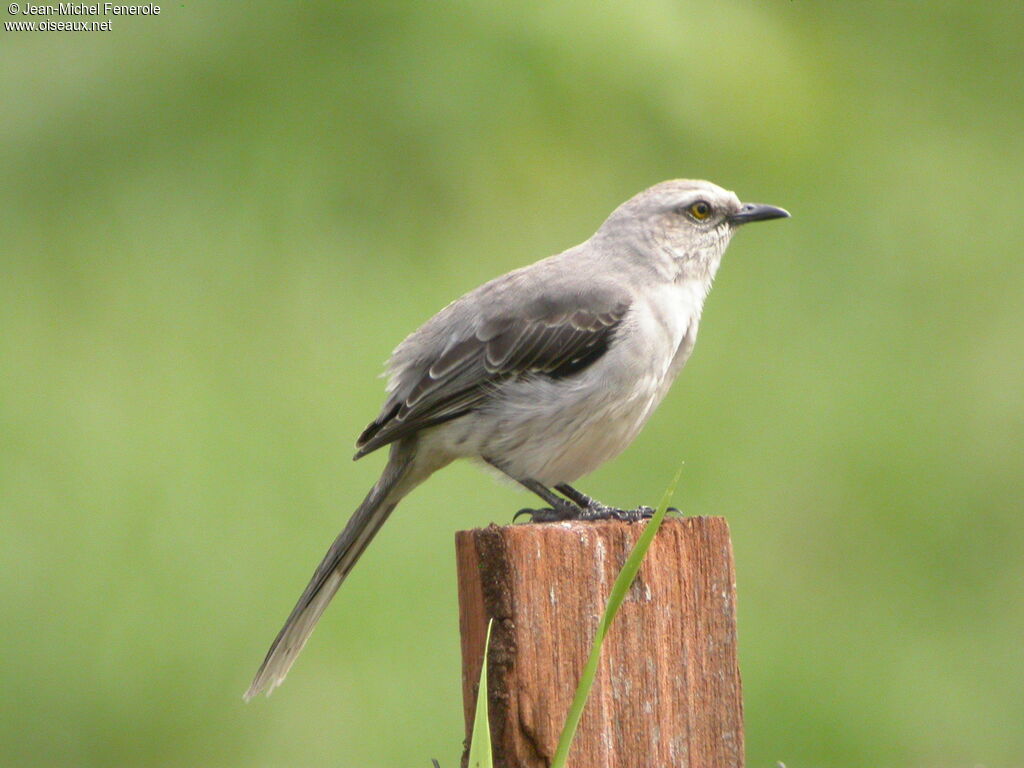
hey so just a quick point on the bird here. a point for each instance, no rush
(541, 375)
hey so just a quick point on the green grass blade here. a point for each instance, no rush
(618, 594)
(480, 742)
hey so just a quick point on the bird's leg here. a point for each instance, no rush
(577, 497)
(578, 507)
(598, 511)
(560, 509)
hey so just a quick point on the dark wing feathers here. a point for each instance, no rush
(548, 341)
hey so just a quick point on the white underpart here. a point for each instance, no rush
(557, 430)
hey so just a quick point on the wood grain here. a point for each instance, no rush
(667, 691)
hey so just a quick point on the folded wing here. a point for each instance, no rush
(553, 337)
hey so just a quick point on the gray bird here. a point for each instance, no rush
(544, 373)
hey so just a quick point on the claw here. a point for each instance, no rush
(548, 515)
(530, 513)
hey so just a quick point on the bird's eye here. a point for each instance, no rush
(699, 210)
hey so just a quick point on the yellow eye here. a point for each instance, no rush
(700, 210)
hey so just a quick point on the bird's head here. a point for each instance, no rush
(683, 225)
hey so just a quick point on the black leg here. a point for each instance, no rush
(582, 507)
(598, 511)
(545, 493)
(576, 497)
(560, 509)
(579, 506)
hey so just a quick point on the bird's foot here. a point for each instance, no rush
(564, 511)
(599, 511)
(593, 511)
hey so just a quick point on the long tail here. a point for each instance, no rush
(343, 554)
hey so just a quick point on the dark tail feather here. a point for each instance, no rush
(343, 554)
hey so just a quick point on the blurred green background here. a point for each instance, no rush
(216, 223)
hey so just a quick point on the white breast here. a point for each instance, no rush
(555, 431)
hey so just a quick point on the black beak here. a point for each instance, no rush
(757, 212)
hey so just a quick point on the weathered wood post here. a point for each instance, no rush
(668, 689)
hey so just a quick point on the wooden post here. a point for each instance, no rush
(667, 691)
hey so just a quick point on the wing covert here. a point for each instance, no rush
(547, 341)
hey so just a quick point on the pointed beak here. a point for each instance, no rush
(757, 212)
